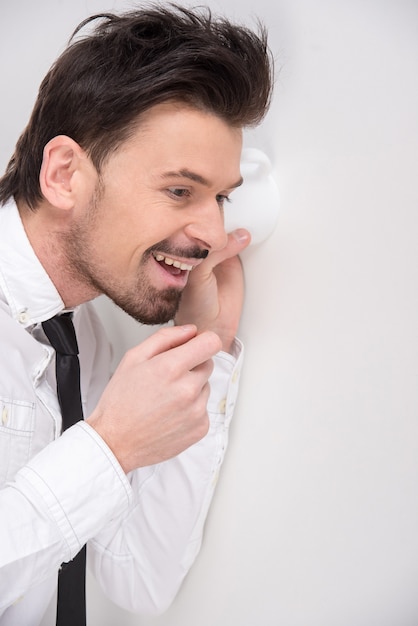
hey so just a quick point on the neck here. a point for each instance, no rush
(47, 238)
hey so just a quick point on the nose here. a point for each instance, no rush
(206, 226)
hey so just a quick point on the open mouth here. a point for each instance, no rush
(172, 266)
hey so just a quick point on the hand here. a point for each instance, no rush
(213, 297)
(154, 406)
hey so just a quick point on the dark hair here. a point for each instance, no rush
(100, 85)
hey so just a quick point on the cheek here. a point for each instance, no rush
(133, 219)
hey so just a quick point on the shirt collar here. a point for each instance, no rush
(24, 284)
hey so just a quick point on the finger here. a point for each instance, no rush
(237, 241)
(204, 370)
(197, 351)
(230, 273)
(165, 339)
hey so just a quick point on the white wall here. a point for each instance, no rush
(315, 521)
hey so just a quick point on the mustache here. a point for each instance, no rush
(164, 247)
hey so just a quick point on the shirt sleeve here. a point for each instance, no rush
(141, 562)
(143, 530)
(54, 505)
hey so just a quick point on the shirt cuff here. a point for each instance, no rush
(80, 483)
(224, 383)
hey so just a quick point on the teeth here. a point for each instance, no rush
(168, 261)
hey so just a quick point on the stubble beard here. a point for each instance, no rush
(148, 305)
(143, 301)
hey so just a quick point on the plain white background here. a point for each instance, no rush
(315, 520)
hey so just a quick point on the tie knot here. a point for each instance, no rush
(61, 334)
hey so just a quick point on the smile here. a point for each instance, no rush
(169, 261)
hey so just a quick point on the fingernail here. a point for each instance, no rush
(188, 327)
(241, 235)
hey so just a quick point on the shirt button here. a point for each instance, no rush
(215, 478)
(23, 317)
(235, 376)
(222, 406)
(4, 416)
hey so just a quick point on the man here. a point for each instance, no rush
(117, 187)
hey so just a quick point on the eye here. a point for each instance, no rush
(179, 192)
(221, 199)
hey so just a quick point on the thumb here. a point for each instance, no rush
(237, 241)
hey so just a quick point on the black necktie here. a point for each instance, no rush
(71, 606)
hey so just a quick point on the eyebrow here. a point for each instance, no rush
(197, 178)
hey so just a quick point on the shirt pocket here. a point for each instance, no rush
(17, 420)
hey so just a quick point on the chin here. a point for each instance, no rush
(157, 308)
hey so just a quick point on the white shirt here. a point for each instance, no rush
(143, 530)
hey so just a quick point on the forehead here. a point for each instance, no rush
(180, 111)
(173, 135)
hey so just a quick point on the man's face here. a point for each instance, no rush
(157, 210)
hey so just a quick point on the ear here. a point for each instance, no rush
(63, 169)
